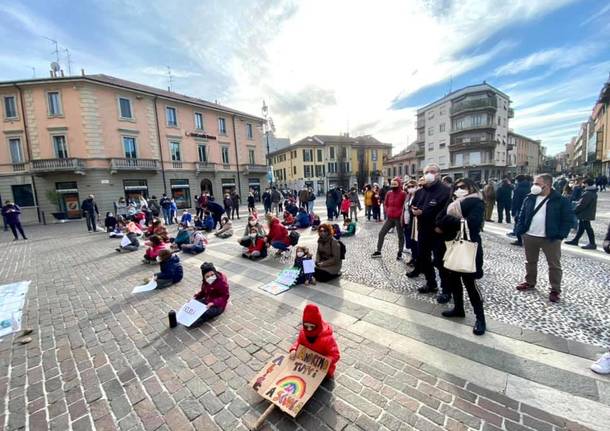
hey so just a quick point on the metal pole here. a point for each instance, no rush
(269, 159)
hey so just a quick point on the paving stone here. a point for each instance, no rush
(211, 403)
(225, 420)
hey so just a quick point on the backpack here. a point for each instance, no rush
(342, 248)
(293, 237)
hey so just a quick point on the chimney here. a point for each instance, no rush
(82, 72)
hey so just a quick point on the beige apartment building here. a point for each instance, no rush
(601, 118)
(325, 161)
(525, 154)
(99, 134)
(404, 164)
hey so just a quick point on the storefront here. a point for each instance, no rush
(134, 189)
(181, 193)
(228, 184)
(254, 186)
(69, 202)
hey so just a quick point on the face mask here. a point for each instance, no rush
(252, 223)
(536, 189)
(211, 279)
(300, 254)
(429, 178)
(323, 234)
(460, 193)
(158, 259)
(252, 235)
(411, 189)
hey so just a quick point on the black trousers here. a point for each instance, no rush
(323, 276)
(585, 225)
(234, 212)
(91, 224)
(503, 208)
(457, 282)
(17, 227)
(209, 313)
(430, 252)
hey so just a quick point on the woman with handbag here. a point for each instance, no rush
(464, 256)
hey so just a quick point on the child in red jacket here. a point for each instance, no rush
(214, 293)
(317, 335)
(155, 245)
(345, 206)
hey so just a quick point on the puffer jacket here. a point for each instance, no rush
(394, 201)
(328, 255)
(171, 269)
(587, 205)
(277, 232)
(216, 293)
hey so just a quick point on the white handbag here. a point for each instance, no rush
(461, 254)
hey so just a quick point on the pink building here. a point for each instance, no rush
(99, 134)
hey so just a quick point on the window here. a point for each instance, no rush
(60, 146)
(14, 145)
(343, 152)
(22, 195)
(181, 193)
(442, 160)
(400, 170)
(431, 146)
(319, 151)
(201, 151)
(249, 131)
(170, 116)
(54, 103)
(174, 150)
(441, 127)
(307, 171)
(225, 155)
(293, 154)
(129, 147)
(308, 155)
(319, 170)
(441, 145)
(332, 154)
(459, 160)
(222, 126)
(125, 108)
(389, 172)
(475, 158)
(198, 121)
(10, 107)
(294, 170)
(499, 121)
(251, 158)
(332, 167)
(374, 155)
(430, 131)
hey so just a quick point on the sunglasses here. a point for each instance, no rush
(309, 326)
(463, 187)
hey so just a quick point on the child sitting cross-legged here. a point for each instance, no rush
(197, 244)
(256, 248)
(301, 255)
(226, 228)
(349, 227)
(171, 269)
(155, 245)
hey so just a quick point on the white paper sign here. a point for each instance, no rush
(190, 312)
(125, 241)
(151, 285)
(12, 298)
(308, 266)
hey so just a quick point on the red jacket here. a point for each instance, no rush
(345, 205)
(216, 293)
(257, 245)
(394, 201)
(277, 232)
(325, 343)
(153, 250)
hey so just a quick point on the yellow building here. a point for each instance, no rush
(324, 161)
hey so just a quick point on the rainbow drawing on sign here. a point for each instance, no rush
(293, 385)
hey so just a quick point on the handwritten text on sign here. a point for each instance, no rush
(290, 383)
(190, 312)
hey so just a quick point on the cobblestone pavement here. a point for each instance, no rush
(102, 358)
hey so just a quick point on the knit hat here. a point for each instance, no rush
(207, 267)
(311, 314)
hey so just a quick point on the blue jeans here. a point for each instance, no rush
(330, 212)
(167, 215)
(280, 245)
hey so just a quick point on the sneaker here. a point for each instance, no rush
(571, 242)
(443, 298)
(512, 234)
(517, 243)
(413, 274)
(427, 289)
(399, 256)
(602, 365)
(312, 281)
(454, 313)
(479, 327)
(554, 296)
(118, 250)
(376, 254)
(589, 247)
(524, 286)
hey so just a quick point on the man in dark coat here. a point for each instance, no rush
(90, 212)
(504, 198)
(521, 191)
(585, 211)
(11, 213)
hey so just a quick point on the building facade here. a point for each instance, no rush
(466, 132)
(524, 155)
(324, 161)
(601, 118)
(65, 138)
(404, 164)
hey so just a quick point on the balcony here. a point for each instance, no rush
(124, 164)
(420, 154)
(19, 167)
(255, 169)
(474, 105)
(421, 124)
(473, 127)
(511, 113)
(205, 167)
(472, 145)
(176, 164)
(58, 165)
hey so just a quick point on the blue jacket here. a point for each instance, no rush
(302, 219)
(171, 269)
(559, 216)
(521, 191)
(576, 193)
(11, 213)
(208, 223)
(186, 218)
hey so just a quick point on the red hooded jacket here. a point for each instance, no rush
(394, 201)
(325, 343)
(277, 232)
(216, 293)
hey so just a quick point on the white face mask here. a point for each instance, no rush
(211, 279)
(411, 189)
(252, 235)
(252, 223)
(300, 254)
(460, 193)
(429, 178)
(536, 189)
(158, 259)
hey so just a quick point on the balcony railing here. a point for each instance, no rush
(472, 145)
(205, 167)
(488, 125)
(474, 105)
(255, 169)
(134, 164)
(18, 167)
(176, 164)
(56, 165)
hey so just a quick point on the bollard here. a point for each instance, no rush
(172, 319)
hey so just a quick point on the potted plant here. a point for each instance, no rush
(53, 198)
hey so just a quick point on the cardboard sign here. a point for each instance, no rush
(309, 267)
(290, 383)
(151, 285)
(282, 283)
(125, 241)
(190, 312)
(12, 298)
(275, 288)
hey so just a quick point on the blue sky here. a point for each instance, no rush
(328, 67)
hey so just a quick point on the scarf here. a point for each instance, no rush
(455, 208)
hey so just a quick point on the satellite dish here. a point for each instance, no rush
(55, 66)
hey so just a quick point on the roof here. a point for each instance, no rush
(134, 86)
(465, 90)
(510, 132)
(322, 140)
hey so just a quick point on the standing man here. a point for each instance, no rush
(276, 198)
(504, 197)
(489, 197)
(166, 206)
(354, 204)
(10, 213)
(331, 205)
(304, 198)
(393, 204)
(585, 212)
(91, 213)
(267, 200)
(235, 207)
(429, 201)
(545, 220)
(521, 191)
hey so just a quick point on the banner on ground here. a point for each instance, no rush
(12, 298)
(151, 285)
(289, 383)
(282, 283)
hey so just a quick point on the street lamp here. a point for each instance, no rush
(268, 126)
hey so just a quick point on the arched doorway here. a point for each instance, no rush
(206, 186)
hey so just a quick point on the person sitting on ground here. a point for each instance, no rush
(226, 228)
(278, 234)
(208, 222)
(606, 243)
(133, 245)
(315, 222)
(139, 217)
(148, 214)
(328, 256)
(288, 219)
(131, 211)
(183, 237)
(317, 335)
(291, 207)
(255, 248)
(187, 218)
(198, 243)
(214, 293)
(110, 222)
(117, 232)
(302, 253)
(155, 245)
(349, 227)
(134, 228)
(302, 219)
(158, 228)
(253, 221)
(171, 269)
(198, 223)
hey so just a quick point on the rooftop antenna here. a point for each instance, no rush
(450, 84)
(170, 78)
(56, 51)
(33, 72)
(55, 67)
(69, 60)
